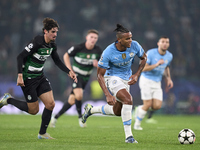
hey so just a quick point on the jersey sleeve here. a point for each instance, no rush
(171, 57)
(29, 49)
(73, 50)
(104, 60)
(58, 62)
(148, 57)
(140, 50)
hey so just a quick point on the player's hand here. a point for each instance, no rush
(160, 62)
(169, 85)
(133, 79)
(20, 81)
(111, 100)
(95, 63)
(73, 76)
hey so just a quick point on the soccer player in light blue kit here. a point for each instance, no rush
(157, 65)
(114, 75)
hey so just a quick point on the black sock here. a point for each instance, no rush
(22, 105)
(78, 107)
(150, 114)
(46, 117)
(65, 107)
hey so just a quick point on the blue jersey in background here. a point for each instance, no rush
(153, 56)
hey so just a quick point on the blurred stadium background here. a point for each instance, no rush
(21, 20)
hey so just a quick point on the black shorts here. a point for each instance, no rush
(35, 87)
(81, 83)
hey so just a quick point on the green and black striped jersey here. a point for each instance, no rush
(31, 60)
(83, 58)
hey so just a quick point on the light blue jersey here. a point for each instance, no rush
(118, 63)
(153, 56)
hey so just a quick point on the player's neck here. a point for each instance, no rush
(89, 46)
(46, 40)
(161, 52)
(120, 47)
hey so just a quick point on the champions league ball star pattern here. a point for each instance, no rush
(186, 136)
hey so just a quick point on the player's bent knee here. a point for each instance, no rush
(156, 107)
(128, 102)
(33, 111)
(50, 106)
(79, 97)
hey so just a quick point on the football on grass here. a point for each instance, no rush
(186, 136)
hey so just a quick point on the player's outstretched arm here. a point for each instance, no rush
(134, 77)
(168, 80)
(20, 81)
(100, 77)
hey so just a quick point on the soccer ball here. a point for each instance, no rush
(186, 136)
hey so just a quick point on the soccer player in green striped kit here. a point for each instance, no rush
(85, 57)
(31, 77)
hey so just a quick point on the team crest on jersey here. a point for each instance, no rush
(124, 55)
(88, 56)
(166, 61)
(114, 82)
(131, 54)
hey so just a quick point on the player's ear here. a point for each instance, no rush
(118, 39)
(45, 31)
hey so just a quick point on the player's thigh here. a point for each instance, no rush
(145, 89)
(115, 84)
(157, 98)
(48, 100)
(124, 96)
(79, 87)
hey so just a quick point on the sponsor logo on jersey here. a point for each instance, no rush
(123, 63)
(116, 58)
(124, 55)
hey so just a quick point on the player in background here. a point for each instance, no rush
(85, 57)
(115, 76)
(31, 77)
(157, 65)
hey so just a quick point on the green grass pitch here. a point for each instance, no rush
(19, 132)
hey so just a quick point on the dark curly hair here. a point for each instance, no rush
(49, 23)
